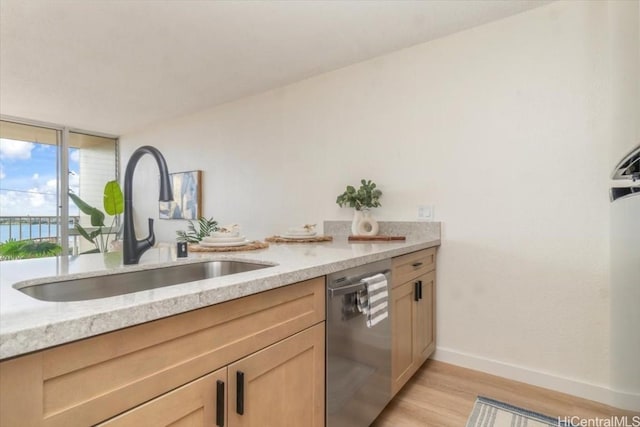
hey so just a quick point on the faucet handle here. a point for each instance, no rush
(151, 239)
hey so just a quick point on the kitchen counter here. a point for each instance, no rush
(28, 324)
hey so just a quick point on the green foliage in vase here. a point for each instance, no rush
(367, 196)
(113, 202)
(23, 249)
(195, 234)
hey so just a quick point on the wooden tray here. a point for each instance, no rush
(314, 239)
(376, 238)
(256, 244)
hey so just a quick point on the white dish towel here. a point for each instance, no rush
(373, 299)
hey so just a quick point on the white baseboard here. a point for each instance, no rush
(584, 390)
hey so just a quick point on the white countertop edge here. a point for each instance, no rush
(17, 339)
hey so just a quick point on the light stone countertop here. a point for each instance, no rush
(28, 324)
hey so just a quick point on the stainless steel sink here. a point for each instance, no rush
(134, 281)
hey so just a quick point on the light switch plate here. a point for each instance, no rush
(425, 212)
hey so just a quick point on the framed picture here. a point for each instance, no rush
(187, 197)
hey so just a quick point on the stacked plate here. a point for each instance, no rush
(299, 233)
(224, 239)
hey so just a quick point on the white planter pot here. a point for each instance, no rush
(363, 224)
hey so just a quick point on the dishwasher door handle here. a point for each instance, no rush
(349, 289)
(357, 284)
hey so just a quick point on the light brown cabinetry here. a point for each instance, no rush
(413, 314)
(425, 342)
(192, 405)
(282, 385)
(176, 359)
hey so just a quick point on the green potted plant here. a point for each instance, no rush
(367, 196)
(362, 199)
(113, 202)
(193, 235)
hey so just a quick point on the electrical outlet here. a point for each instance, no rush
(425, 212)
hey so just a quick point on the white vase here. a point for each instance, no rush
(367, 226)
(364, 224)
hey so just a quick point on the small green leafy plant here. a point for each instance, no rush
(195, 235)
(367, 196)
(113, 202)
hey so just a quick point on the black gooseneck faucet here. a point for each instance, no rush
(132, 248)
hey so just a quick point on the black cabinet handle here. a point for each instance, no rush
(220, 403)
(420, 288)
(416, 292)
(416, 264)
(240, 392)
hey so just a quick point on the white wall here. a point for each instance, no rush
(505, 128)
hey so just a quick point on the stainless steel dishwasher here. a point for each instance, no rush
(358, 357)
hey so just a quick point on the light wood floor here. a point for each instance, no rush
(443, 395)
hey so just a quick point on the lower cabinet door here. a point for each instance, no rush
(200, 403)
(282, 385)
(425, 318)
(403, 325)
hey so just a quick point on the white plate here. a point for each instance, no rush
(224, 244)
(224, 239)
(298, 236)
(234, 233)
(300, 233)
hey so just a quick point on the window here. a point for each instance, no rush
(92, 163)
(33, 190)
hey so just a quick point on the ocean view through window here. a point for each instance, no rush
(33, 203)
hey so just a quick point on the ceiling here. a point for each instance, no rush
(118, 66)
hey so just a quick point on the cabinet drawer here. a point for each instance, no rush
(88, 381)
(408, 267)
